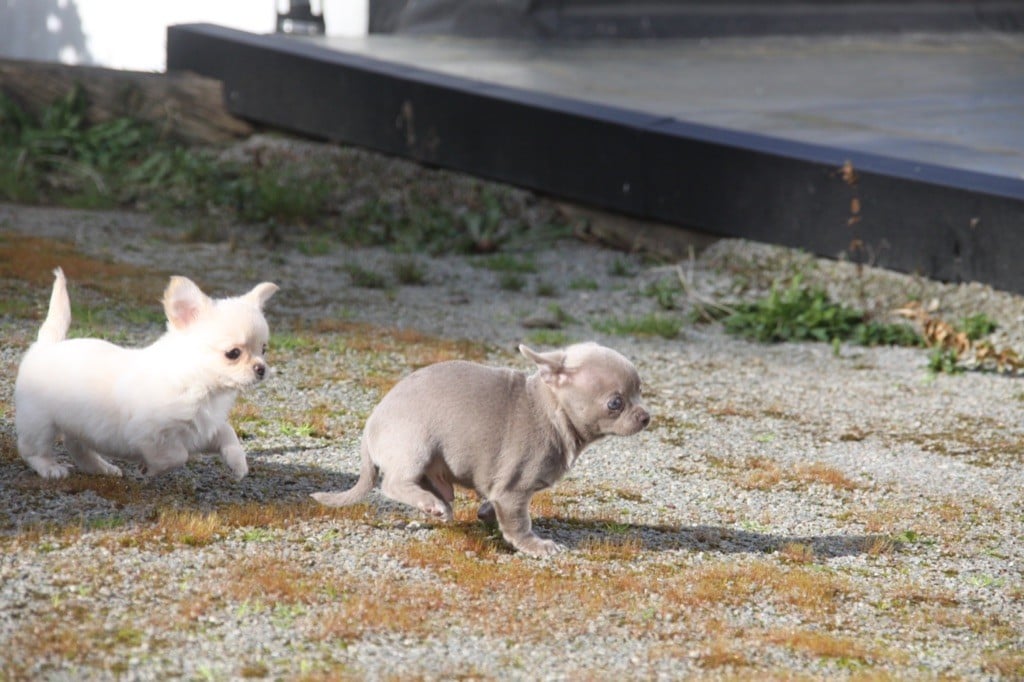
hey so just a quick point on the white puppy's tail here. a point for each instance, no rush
(58, 318)
(367, 479)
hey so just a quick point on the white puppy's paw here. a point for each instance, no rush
(240, 469)
(110, 470)
(234, 459)
(50, 469)
(99, 467)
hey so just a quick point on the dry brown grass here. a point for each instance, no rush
(823, 474)
(520, 594)
(948, 511)
(32, 260)
(386, 354)
(244, 410)
(1007, 664)
(628, 548)
(318, 421)
(118, 489)
(880, 546)
(612, 578)
(797, 553)
(8, 447)
(717, 646)
(812, 591)
(272, 580)
(57, 637)
(71, 627)
(907, 594)
(945, 521)
(42, 534)
(193, 527)
(417, 348)
(722, 653)
(173, 527)
(764, 473)
(885, 518)
(821, 644)
(380, 382)
(546, 504)
(392, 605)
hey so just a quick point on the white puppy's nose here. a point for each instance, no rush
(260, 369)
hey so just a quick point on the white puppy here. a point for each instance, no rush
(157, 404)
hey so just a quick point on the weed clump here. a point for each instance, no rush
(653, 324)
(59, 156)
(954, 349)
(799, 313)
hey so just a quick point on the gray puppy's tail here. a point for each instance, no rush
(367, 479)
(58, 317)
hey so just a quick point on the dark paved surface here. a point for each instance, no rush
(947, 99)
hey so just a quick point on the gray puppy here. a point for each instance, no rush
(500, 432)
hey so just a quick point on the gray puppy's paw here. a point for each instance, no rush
(539, 547)
(487, 514)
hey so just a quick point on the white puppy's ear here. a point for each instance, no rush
(184, 302)
(551, 365)
(261, 293)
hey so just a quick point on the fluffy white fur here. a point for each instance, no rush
(156, 405)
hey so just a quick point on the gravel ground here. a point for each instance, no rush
(793, 511)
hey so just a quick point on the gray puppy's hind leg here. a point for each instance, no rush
(414, 494)
(513, 512)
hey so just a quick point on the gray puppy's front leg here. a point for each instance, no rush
(513, 512)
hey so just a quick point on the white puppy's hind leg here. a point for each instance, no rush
(88, 460)
(155, 463)
(36, 447)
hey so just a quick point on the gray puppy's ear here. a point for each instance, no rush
(551, 365)
(261, 293)
(184, 303)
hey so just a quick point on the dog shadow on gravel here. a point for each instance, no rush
(718, 539)
(203, 485)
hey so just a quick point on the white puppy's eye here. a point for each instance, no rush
(616, 404)
(233, 354)
(264, 350)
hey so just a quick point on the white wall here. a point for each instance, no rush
(132, 34)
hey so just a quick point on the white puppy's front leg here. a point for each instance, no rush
(226, 441)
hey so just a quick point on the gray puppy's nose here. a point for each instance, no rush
(644, 418)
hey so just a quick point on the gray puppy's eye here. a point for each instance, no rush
(233, 354)
(616, 404)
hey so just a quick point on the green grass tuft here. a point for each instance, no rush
(653, 324)
(798, 313)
